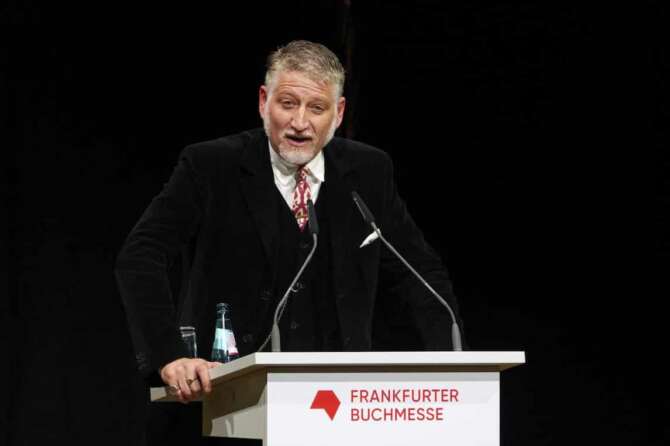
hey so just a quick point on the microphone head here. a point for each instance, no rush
(365, 212)
(311, 218)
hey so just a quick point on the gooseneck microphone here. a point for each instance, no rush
(311, 219)
(274, 334)
(369, 219)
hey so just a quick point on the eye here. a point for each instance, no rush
(318, 109)
(286, 103)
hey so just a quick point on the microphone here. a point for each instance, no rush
(365, 212)
(274, 333)
(369, 218)
(311, 218)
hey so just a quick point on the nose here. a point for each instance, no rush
(300, 122)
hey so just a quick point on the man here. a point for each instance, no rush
(239, 201)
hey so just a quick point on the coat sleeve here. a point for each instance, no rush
(431, 318)
(142, 265)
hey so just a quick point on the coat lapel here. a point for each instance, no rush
(259, 192)
(340, 208)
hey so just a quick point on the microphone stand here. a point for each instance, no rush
(368, 217)
(274, 333)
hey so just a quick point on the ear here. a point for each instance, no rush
(262, 100)
(341, 103)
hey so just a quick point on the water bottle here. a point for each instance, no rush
(224, 348)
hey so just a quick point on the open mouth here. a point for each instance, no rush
(298, 140)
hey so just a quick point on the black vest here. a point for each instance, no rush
(309, 322)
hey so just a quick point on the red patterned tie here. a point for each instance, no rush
(301, 194)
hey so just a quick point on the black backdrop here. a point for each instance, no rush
(505, 152)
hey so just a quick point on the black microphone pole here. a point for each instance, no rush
(314, 230)
(369, 218)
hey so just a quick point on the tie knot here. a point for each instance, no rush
(301, 174)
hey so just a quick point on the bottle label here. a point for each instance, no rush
(225, 340)
(220, 339)
(232, 345)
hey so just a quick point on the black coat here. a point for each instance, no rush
(221, 201)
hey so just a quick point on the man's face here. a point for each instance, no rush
(299, 115)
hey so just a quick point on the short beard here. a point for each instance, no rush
(295, 157)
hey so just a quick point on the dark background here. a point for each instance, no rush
(507, 125)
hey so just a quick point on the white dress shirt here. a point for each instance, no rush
(284, 174)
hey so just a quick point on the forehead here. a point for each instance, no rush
(300, 84)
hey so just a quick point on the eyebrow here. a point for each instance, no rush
(287, 90)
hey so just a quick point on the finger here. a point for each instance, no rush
(191, 374)
(193, 383)
(182, 399)
(176, 392)
(196, 388)
(185, 389)
(203, 376)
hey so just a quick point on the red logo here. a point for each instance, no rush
(326, 400)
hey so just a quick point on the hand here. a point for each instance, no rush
(188, 377)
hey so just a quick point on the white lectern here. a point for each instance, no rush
(352, 398)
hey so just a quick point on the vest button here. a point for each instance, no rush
(305, 245)
(266, 295)
(294, 325)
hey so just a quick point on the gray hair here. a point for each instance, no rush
(311, 59)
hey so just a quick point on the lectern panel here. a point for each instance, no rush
(383, 408)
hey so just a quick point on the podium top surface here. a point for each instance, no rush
(497, 360)
(471, 361)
